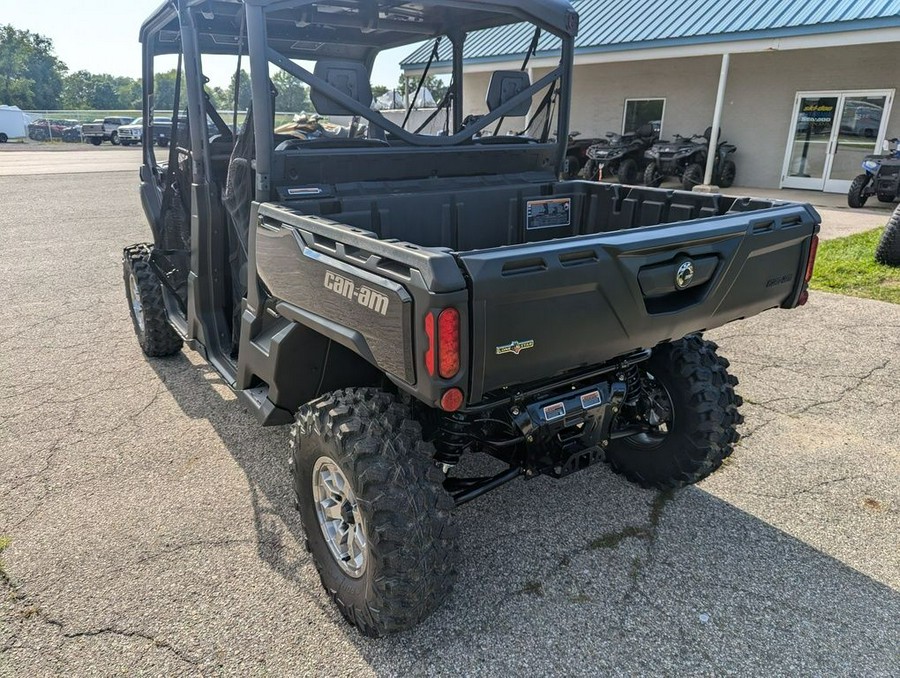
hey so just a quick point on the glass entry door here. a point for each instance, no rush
(832, 132)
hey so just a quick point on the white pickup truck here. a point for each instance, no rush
(104, 130)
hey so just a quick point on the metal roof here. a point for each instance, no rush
(619, 25)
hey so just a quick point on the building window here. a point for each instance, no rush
(639, 112)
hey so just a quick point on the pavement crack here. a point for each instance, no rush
(811, 489)
(128, 633)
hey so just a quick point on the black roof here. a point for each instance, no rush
(353, 29)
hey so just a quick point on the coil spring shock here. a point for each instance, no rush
(452, 439)
(634, 384)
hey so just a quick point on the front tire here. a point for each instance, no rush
(571, 168)
(888, 250)
(652, 177)
(145, 301)
(377, 518)
(627, 172)
(692, 176)
(114, 138)
(704, 415)
(856, 196)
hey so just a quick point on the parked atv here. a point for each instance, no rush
(685, 158)
(620, 154)
(577, 155)
(881, 178)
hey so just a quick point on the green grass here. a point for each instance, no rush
(847, 266)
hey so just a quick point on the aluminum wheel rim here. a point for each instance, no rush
(136, 306)
(339, 516)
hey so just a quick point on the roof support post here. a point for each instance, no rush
(717, 120)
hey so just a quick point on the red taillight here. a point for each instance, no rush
(448, 343)
(811, 264)
(452, 400)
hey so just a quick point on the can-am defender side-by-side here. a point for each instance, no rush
(621, 155)
(685, 159)
(880, 177)
(405, 297)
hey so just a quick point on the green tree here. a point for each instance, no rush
(31, 76)
(83, 89)
(129, 92)
(244, 94)
(164, 91)
(379, 90)
(293, 95)
(433, 84)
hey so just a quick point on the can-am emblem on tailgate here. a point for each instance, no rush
(685, 275)
(516, 347)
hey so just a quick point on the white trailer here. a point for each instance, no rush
(13, 123)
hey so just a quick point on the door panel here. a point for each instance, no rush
(814, 118)
(831, 134)
(861, 121)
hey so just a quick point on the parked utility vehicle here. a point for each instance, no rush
(404, 300)
(685, 159)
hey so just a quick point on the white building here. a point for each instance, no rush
(808, 85)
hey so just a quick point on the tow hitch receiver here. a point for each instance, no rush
(568, 432)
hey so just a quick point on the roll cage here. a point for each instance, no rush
(201, 251)
(281, 32)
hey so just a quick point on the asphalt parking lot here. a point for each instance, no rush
(151, 529)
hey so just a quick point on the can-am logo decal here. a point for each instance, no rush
(515, 347)
(364, 296)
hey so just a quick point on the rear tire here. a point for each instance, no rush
(692, 176)
(704, 418)
(627, 172)
(96, 141)
(652, 177)
(855, 196)
(888, 250)
(391, 492)
(727, 174)
(3, 138)
(145, 301)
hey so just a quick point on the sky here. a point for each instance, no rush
(102, 37)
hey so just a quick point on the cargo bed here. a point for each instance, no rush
(573, 273)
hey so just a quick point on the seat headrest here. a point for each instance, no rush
(349, 77)
(504, 86)
(645, 130)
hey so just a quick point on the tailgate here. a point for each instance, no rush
(542, 309)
